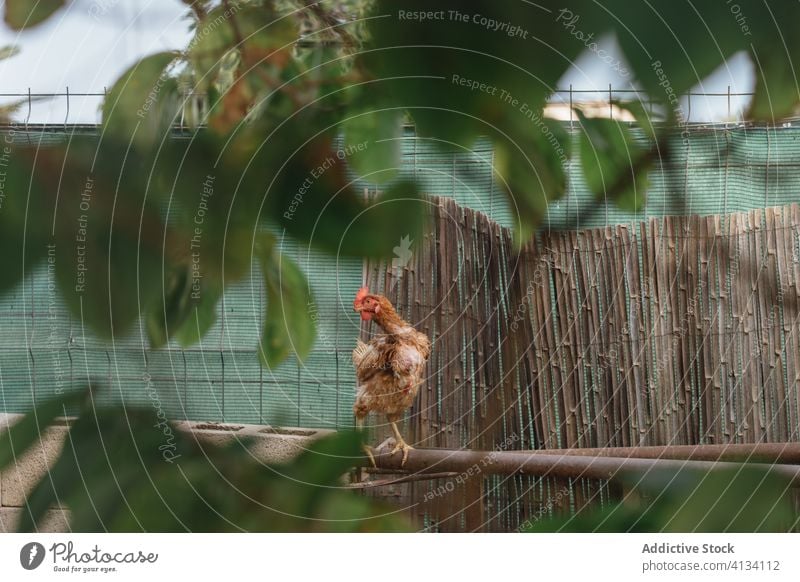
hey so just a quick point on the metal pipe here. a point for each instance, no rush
(750, 452)
(554, 465)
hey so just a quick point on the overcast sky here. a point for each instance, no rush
(86, 47)
(89, 44)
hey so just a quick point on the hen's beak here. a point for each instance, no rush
(358, 306)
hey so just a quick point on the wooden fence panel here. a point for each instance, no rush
(680, 330)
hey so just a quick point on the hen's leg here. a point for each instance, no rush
(366, 448)
(401, 445)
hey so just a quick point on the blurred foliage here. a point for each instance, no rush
(21, 14)
(287, 328)
(613, 163)
(748, 499)
(267, 159)
(7, 110)
(129, 470)
(432, 58)
(268, 89)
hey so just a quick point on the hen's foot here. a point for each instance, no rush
(401, 445)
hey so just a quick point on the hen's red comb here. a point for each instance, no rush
(363, 292)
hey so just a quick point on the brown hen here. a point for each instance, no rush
(390, 367)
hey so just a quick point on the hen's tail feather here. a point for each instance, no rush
(359, 352)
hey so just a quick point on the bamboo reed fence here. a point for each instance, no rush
(675, 331)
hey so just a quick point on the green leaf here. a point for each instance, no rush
(188, 308)
(530, 165)
(320, 467)
(20, 254)
(173, 309)
(775, 50)
(109, 235)
(202, 316)
(673, 46)
(643, 117)
(347, 513)
(460, 76)
(21, 14)
(372, 144)
(142, 104)
(22, 229)
(316, 475)
(17, 438)
(288, 324)
(744, 500)
(776, 94)
(211, 214)
(107, 273)
(332, 215)
(324, 461)
(747, 499)
(9, 51)
(114, 482)
(112, 284)
(614, 165)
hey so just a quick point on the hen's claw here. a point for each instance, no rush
(402, 446)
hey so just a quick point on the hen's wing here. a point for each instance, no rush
(359, 353)
(368, 360)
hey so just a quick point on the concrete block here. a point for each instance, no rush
(55, 520)
(267, 445)
(18, 479)
(279, 449)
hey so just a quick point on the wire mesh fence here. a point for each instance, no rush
(719, 171)
(69, 107)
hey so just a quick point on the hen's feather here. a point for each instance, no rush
(359, 353)
(390, 367)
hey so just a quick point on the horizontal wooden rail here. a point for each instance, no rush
(751, 453)
(555, 465)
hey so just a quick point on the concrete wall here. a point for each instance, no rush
(270, 445)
